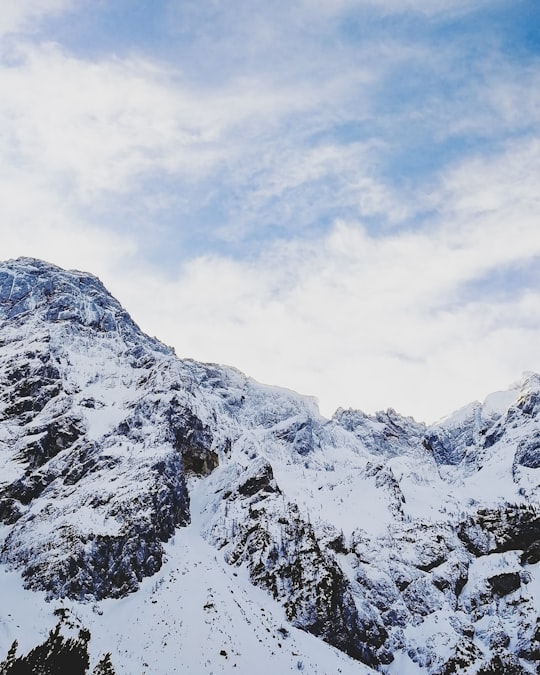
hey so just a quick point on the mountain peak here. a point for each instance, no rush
(37, 290)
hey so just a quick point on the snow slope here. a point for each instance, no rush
(197, 615)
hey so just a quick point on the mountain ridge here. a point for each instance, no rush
(372, 532)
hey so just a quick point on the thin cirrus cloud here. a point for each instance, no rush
(337, 197)
(383, 320)
(105, 123)
(104, 127)
(18, 16)
(108, 121)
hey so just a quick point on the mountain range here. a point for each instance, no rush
(161, 515)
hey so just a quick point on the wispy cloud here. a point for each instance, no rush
(103, 123)
(372, 321)
(18, 16)
(318, 193)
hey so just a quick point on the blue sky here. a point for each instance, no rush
(337, 196)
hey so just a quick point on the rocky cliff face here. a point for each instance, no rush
(411, 549)
(94, 437)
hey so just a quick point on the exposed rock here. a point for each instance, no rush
(531, 555)
(301, 435)
(528, 452)
(386, 433)
(283, 555)
(450, 443)
(466, 653)
(500, 664)
(503, 584)
(259, 478)
(503, 529)
(193, 440)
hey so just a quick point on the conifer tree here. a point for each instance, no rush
(105, 666)
(56, 656)
(7, 665)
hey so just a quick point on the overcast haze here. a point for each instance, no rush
(341, 197)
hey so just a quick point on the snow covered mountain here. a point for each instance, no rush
(189, 519)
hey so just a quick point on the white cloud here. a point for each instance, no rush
(372, 321)
(38, 222)
(103, 124)
(19, 15)
(499, 183)
(295, 184)
(99, 124)
(95, 131)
